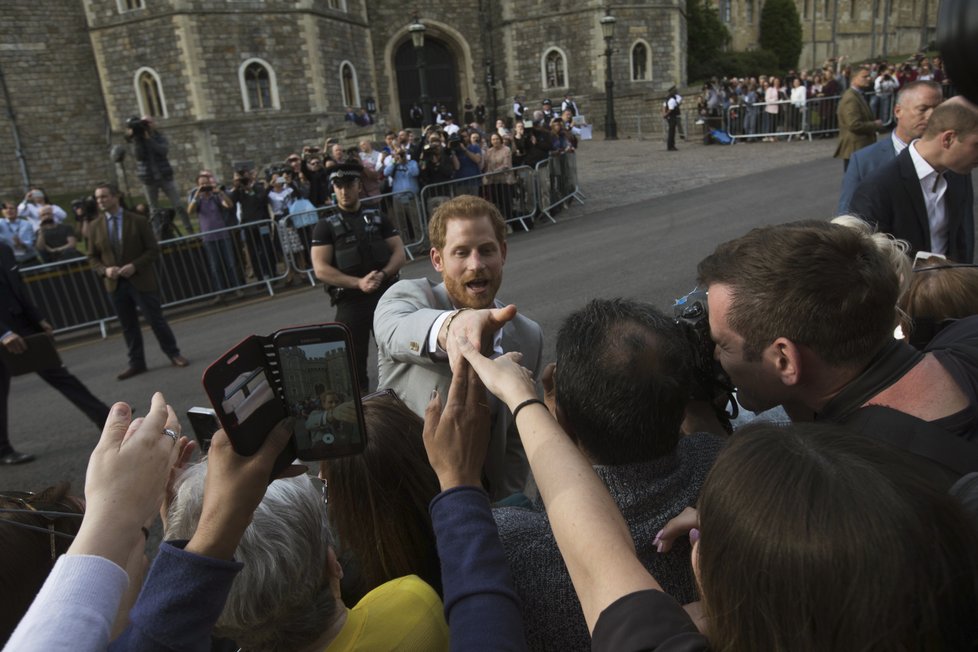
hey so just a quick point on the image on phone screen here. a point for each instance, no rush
(319, 393)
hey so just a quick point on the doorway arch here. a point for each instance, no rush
(441, 72)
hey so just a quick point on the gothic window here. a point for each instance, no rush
(259, 90)
(149, 93)
(750, 11)
(641, 62)
(129, 5)
(554, 69)
(348, 82)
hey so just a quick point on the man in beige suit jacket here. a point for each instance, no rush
(415, 318)
(123, 250)
(857, 125)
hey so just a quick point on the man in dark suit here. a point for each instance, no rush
(924, 196)
(124, 251)
(18, 319)
(914, 104)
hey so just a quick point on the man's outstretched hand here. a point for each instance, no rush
(477, 326)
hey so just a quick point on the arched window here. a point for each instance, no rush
(348, 82)
(259, 89)
(149, 93)
(554, 68)
(641, 61)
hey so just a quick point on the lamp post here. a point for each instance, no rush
(417, 30)
(608, 31)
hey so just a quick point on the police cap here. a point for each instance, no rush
(345, 172)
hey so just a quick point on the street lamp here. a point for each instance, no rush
(417, 30)
(608, 31)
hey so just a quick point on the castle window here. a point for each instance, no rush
(750, 12)
(129, 5)
(641, 62)
(554, 69)
(348, 82)
(149, 93)
(259, 89)
(339, 5)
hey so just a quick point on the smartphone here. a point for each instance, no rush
(204, 422)
(321, 390)
(241, 389)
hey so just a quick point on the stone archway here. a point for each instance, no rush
(440, 71)
(398, 53)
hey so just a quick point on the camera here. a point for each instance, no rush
(455, 141)
(85, 209)
(710, 382)
(207, 188)
(137, 125)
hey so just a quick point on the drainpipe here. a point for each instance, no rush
(18, 146)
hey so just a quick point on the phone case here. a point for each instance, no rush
(245, 389)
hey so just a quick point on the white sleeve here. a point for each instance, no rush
(433, 333)
(75, 608)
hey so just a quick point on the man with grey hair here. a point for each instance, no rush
(287, 596)
(914, 104)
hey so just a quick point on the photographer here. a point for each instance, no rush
(251, 201)
(437, 163)
(465, 146)
(209, 203)
(152, 165)
(85, 210)
(403, 174)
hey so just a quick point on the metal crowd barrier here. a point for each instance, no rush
(190, 268)
(745, 121)
(209, 264)
(556, 181)
(512, 191)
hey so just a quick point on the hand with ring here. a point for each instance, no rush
(126, 478)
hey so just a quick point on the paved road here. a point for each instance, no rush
(646, 250)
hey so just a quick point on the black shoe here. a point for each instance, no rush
(13, 457)
(673, 149)
(130, 372)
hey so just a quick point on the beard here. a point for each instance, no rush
(475, 291)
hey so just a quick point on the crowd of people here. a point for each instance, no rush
(610, 498)
(770, 107)
(597, 501)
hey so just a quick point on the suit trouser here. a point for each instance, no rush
(126, 300)
(62, 380)
(357, 313)
(671, 139)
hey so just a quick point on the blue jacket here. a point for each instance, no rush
(863, 163)
(404, 177)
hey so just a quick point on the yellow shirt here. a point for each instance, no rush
(403, 614)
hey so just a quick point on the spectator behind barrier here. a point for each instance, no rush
(939, 291)
(378, 501)
(619, 389)
(894, 249)
(811, 540)
(287, 597)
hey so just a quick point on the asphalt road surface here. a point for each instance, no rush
(647, 251)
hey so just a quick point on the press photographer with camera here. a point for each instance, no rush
(250, 198)
(209, 203)
(437, 163)
(153, 168)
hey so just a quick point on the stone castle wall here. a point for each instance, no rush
(47, 62)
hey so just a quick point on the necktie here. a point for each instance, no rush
(115, 236)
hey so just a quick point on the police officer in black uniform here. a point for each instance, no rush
(357, 253)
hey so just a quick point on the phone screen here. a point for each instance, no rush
(321, 391)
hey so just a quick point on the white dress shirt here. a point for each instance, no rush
(934, 187)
